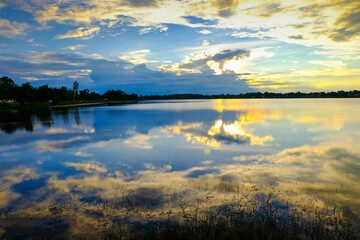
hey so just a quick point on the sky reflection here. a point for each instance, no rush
(302, 151)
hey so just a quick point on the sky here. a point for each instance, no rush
(175, 46)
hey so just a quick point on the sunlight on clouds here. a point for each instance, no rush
(81, 32)
(211, 59)
(328, 30)
(75, 47)
(58, 130)
(140, 141)
(11, 177)
(12, 29)
(87, 167)
(31, 78)
(218, 133)
(82, 154)
(138, 57)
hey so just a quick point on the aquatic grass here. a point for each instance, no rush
(144, 214)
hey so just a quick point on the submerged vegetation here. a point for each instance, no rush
(140, 214)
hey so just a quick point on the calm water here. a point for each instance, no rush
(164, 153)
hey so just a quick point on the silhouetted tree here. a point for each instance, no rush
(75, 88)
(6, 88)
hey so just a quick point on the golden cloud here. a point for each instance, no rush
(81, 32)
(12, 29)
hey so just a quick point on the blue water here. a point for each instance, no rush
(306, 148)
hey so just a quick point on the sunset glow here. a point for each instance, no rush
(164, 47)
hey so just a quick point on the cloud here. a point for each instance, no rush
(208, 62)
(205, 43)
(205, 31)
(219, 133)
(81, 32)
(82, 154)
(89, 167)
(226, 8)
(146, 30)
(237, 34)
(140, 141)
(56, 145)
(75, 47)
(347, 25)
(12, 29)
(58, 130)
(142, 3)
(329, 64)
(31, 78)
(137, 57)
(105, 73)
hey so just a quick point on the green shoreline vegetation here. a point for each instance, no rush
(13, 96)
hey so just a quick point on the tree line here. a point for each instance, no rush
(337, 94)
(9, 91)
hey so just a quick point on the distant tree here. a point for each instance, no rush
(44, 93)
(6, 81)
(6, 88)
(25, 93)
(75, 88)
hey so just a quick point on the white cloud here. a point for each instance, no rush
(329, 64)
(146, 30)
(205, 31)
(138, 57)
(205, 43)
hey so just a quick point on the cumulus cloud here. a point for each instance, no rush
(208, 62)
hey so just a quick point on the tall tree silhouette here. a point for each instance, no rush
(75, 89)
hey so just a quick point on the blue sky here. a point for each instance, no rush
(164, 47)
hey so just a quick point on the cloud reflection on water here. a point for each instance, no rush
(154, 160)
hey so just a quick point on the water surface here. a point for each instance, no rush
(167, 153)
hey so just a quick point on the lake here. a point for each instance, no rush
(149, 159)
